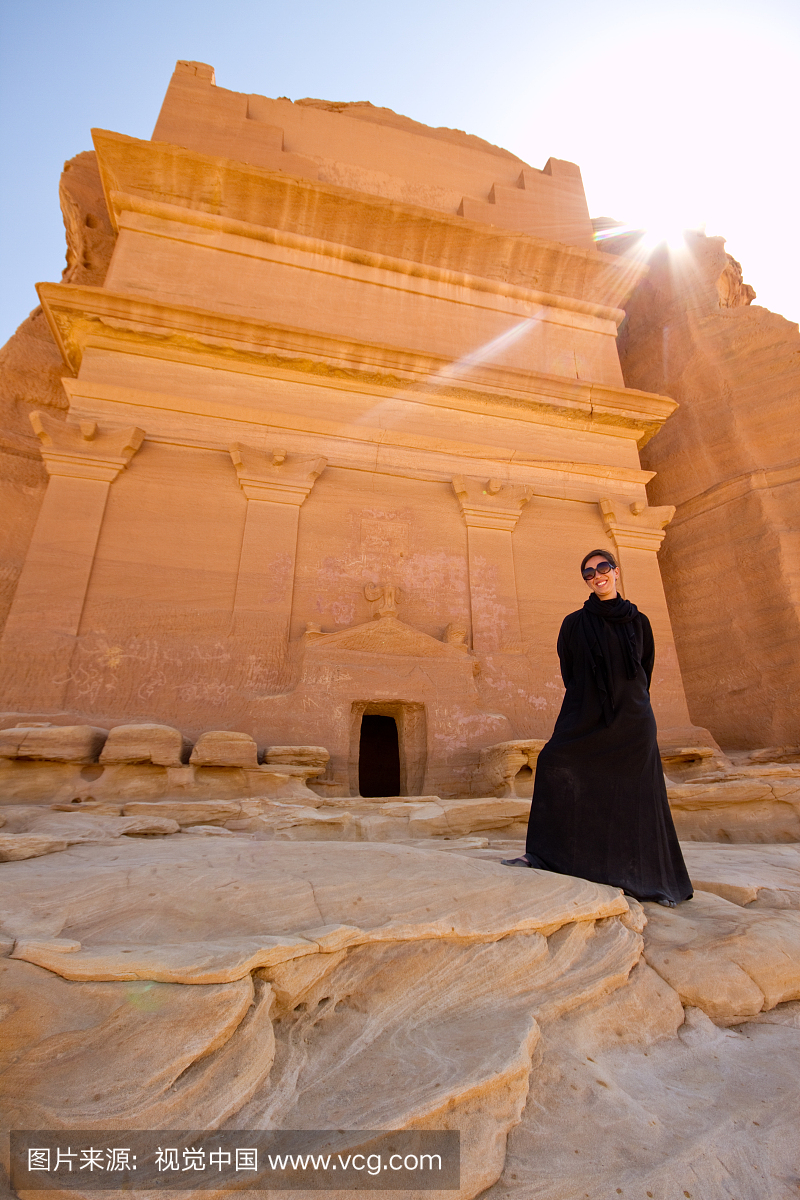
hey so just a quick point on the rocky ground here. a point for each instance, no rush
(289, 962)
(170, 981)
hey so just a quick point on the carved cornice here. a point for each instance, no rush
(81, 450)
(274, 476)
(80, 317)
(490, 503)
(252, 199)
(635, 526)
(156, 217)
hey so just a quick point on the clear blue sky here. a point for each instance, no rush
(677, 112)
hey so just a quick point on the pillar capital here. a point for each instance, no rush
(490, 503)
(83, 451)
(275, 476)
(635, 526)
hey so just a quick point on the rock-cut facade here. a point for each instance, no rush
(337, 426)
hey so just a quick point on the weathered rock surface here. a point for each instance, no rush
(757, 876)
(459, 817)
(295, 822)
(620, 1108)
(160, 745)
(444, 973)
(194, 812)
(222, 749)
(746, 804)
(165, 892)
(507, 769)
(299, 756)
(730, 961)
(14, 847)
(207, 831)
(50, 782)
(31, 368)
(56, 743)
(742, 808)
(776, 754)
(387, 963)
(265, 816)
(146, 1054)
(29, 831)
(682, 763)
(728, 460)
(786, 1014)
(408, 1018)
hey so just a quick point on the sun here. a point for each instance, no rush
(649, 233)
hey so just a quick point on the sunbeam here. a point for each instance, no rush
(493, 349)
(486, 352)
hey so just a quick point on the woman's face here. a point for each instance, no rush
(604, 586)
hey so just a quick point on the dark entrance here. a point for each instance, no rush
(378, 757)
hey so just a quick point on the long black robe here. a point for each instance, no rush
(600, 808)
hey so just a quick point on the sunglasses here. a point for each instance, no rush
(602, 568)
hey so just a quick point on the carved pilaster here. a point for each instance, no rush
(82, 461)
(276, 485)
(637, 531)
(491, 510)
(635, 526)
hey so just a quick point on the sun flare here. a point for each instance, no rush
(650, 232)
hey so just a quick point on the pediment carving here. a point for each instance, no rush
(386, 635)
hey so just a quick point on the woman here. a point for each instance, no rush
(600, 808)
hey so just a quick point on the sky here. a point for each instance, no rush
(680, 114)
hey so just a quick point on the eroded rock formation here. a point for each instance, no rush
(31, 368)
(729, 460)
(240, 983)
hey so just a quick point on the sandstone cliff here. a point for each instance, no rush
(729, 459)
(31, 368)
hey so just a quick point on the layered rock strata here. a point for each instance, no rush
(154, 772)
(225, 983)
(288, 965)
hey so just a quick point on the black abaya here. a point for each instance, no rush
(600, 808)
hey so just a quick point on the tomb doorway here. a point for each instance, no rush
(378, 756)
(390, 753)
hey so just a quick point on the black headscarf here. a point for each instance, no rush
(598, 619)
